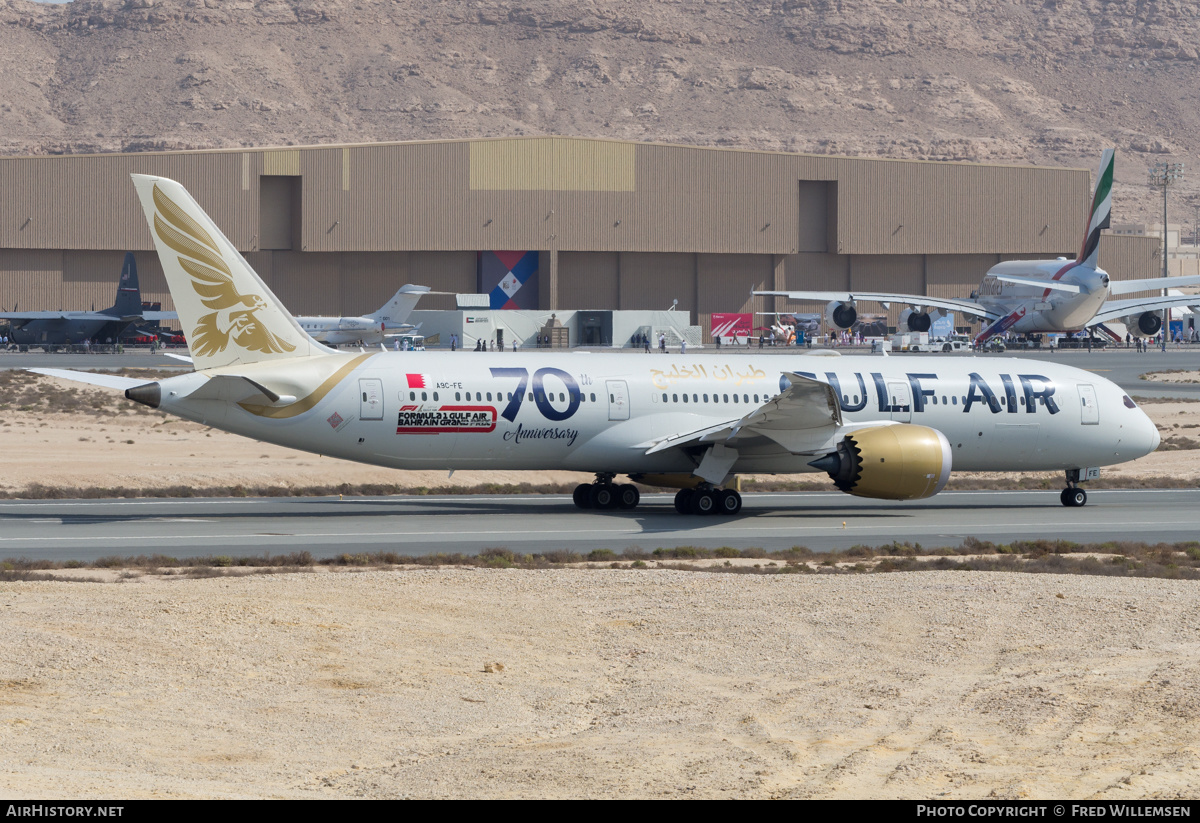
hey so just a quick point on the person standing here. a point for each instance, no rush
(683, 347)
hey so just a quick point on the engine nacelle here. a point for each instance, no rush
(1148, 323)
(842, 315)
(897, 462)
(917, 321)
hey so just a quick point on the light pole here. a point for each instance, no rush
(1162, 175)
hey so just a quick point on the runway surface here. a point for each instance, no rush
(87, 530)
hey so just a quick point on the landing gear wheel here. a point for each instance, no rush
(1074, 497)
(729, 501)
(583, 496)
(704, 501)
(602, 496)
(683, 501)
(628, 496)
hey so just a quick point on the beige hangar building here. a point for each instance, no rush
(615, 225)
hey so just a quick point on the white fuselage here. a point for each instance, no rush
(337, 331)
(600, 412)
(1034, 309)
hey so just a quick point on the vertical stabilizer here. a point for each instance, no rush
(396, 311)
(1101, 213)
(227, 312)
(129, 294)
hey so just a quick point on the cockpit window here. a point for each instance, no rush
(1128, 401)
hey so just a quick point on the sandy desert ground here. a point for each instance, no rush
(575, 683)
(602, 683)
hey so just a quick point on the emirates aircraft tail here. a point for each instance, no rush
(1101, 213)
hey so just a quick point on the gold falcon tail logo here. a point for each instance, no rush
(234, 314)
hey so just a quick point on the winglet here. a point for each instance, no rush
(228, 313)
(1101, 213)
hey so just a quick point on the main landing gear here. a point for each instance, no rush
(1073, 496)
(707, 500)
(604, 494)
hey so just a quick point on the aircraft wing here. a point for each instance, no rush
(108, 381)
(159, 315)
(949, 304)
(36, 315)
(1116, 309)
(801, 419)
(1116, 287)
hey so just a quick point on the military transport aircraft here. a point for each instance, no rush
(61, 328)
(1033, 296)
(389, 321)
(882, 427)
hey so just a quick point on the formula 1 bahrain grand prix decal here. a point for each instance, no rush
(436, 419)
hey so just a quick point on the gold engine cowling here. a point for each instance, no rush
(899, 462)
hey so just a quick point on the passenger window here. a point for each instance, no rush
(745, 398)
(706, 398)
(955, 399)
(726, 397)
(695, 398)
(489, 395)
(594, 397)
(756, 398)
(735, 398)
(458, 395)
(674, 398)
(435, 397)
(424, 396)
(685, 398)
(412, 395)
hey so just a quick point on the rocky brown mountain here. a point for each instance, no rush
(1007, 81)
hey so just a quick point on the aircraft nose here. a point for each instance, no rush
(1155, 438)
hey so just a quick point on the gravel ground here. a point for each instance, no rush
(602, 683)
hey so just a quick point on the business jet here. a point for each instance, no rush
(1032, 296)
(376, 327)
(881, 427)
(58, 328)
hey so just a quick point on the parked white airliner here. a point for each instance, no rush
(376, 327)
(882, 427)
(1033, 296)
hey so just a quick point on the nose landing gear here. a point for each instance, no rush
(1073, 496)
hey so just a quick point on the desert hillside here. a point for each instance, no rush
(1051, 81)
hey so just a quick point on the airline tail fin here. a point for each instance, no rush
(129, 294)
(396, 311)
(1101, 213)
(226, 310)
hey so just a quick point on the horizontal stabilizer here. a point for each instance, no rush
(1053, 285)
(108, 381)
(233, 388)
(1117, 287)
